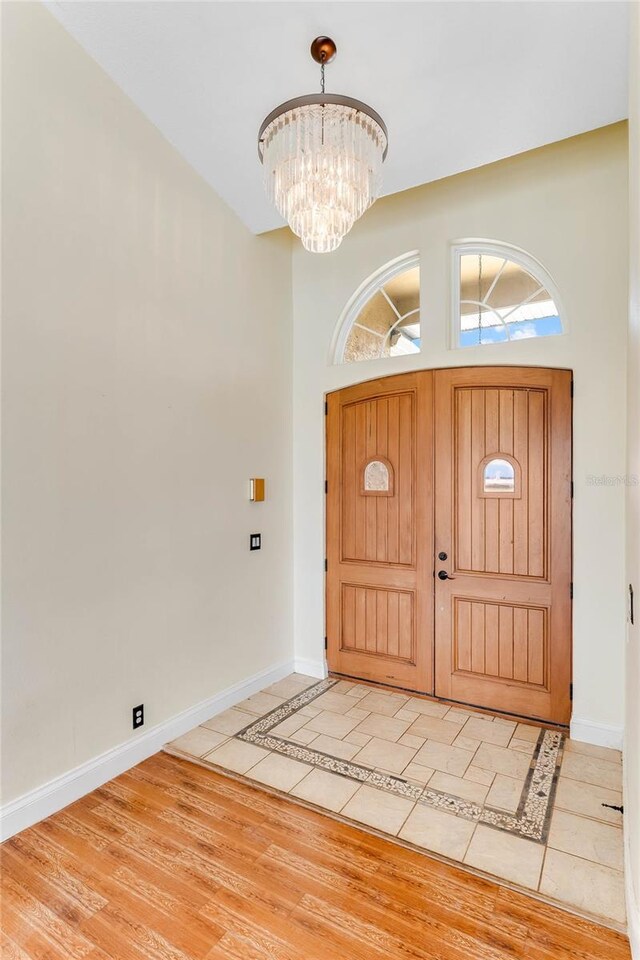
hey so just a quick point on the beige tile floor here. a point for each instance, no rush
(464, 754)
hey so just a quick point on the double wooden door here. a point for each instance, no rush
(449, 536)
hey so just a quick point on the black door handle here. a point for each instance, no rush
(442, 555)
(443, 575)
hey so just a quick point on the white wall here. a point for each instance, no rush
(632, 724)
(567, 205)
(147, 376)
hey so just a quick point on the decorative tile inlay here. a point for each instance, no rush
(530, 821)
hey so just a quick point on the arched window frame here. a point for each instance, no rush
(498, 248)
(367, 289)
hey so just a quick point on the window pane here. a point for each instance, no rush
(501, 301)
(362, 345)
(377, 314)
(376, 476)
(476, 275)
(404, 291)
(390, 318)
(499, 477)
(491, 330)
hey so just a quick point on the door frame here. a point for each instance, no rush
(408, 373)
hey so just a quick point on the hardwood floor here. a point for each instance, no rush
(174, 861)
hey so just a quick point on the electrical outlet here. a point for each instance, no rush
(138, 716)
(255, 541)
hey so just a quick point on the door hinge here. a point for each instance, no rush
(571, 590)
(326, 486)
(570, 691)
(571, 388)
(572, 489)
(326, 407)
(326, 643)
(326, 565)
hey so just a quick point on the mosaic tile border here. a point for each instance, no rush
(532, 819)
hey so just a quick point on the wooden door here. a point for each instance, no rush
(380, 531)
(503, 519)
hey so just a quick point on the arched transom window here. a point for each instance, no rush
(500, 294)
(382, 319)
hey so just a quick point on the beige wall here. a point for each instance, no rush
(632, 724)
(566, 205)
(147, 376)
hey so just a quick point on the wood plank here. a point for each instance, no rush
(505, 514)
(406, 460)
(393, 452)
(491, 506)
(521, 505)
(477, 638)
(537, 484)
(505, 641)
(214, 868)
(491, 640)
(463, 479)
(463, 635)
(477, 504)
(382, 503)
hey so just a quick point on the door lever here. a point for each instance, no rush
(443, 575)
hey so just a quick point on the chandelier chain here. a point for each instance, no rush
(322, 77)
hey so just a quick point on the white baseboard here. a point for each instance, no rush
(600, 734)
(631, 898)
(311, 668)
(58, 793)
(633, 913)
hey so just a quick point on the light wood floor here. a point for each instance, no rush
(174, 861)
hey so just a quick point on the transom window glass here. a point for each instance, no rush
(383, 318)
(500, 298)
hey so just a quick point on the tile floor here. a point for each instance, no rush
(513, 800)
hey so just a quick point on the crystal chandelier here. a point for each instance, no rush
(322, 157)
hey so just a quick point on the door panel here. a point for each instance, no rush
(380, 531)
(378, 524)
(503, 517)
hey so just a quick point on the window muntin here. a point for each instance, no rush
(499, 298)
(387, 323)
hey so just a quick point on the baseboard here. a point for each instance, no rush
(633, 913)
(600, 734)
(632, 902)
(60, 792)
(311, 668)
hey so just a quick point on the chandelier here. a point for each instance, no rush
(322, 157)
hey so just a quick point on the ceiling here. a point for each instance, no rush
(459, 84)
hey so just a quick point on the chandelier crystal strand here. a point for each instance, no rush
(322, 170)
(322, 158)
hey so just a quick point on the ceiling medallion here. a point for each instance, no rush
(322, 156)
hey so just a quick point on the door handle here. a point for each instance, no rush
(443, 575)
